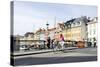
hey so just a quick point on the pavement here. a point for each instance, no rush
(21, 53)
(67, 56)
(52, 60)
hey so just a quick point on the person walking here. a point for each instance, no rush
(94, 43)
(52, 43)
(56, 45)
(48, 42)
(61, 41)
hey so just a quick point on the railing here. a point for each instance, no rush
(41, 44)
(28, 44)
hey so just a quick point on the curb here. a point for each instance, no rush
(12, 55)
(30, 53)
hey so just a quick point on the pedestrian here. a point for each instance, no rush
(90, 44)
(56, 44)
(48, 42)
(52, 43)
(94, 43)
(61, 41)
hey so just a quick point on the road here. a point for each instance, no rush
(66, 56)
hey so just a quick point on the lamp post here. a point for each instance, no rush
(47, 26)
(47, 33)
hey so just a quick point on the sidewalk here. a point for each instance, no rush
(38, 51)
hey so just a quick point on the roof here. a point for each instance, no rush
(74, 20)
(29, 33)
(52, 29)
(93, 20)
(69, 21)
(42, 30)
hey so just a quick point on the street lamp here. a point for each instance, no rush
(47, 29)
(47, 26)
(47, 32)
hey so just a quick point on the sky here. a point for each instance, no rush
(30, 16)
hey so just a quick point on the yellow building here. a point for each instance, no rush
(68, 34)
(76, 34)
(64, 34)
(76, 29)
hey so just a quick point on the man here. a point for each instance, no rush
(48, 42)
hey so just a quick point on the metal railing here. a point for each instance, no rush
(28, 44)
(39, 44)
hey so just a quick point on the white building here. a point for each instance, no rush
(92, 30)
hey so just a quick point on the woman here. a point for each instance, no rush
(61, 41)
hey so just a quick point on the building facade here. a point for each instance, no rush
(76, 29)
(92, 30)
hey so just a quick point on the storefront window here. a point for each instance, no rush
(94, 31)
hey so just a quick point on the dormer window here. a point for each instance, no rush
(74, 24)
(78, 23)
(69, 26)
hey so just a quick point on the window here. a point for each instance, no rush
(74, 24)
(94, 39)
(69, 26)
(90, 32)
(94, 31)
(90, 39)
(78, 23)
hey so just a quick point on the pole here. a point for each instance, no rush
(54, 25)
